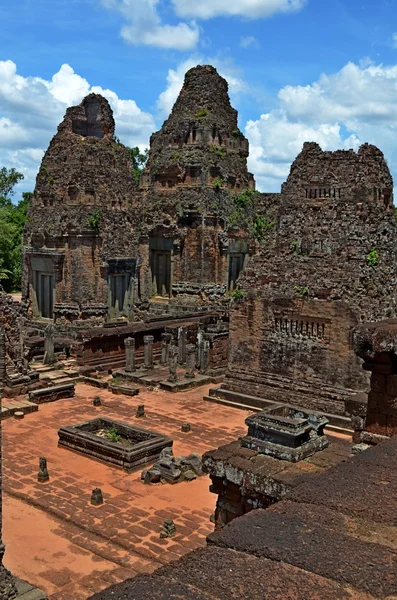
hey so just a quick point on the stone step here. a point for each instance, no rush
(337, 423)
(9, 407)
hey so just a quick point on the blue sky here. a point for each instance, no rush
(322, 70)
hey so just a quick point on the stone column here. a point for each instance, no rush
(182, 335)
(7, 585)
(129, 345)
(2, 357)
(49, 346)
(148, 350)
(165, 348)
(174, 352)
(204, 354)
(190, 361)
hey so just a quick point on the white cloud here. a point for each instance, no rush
(355, 105)
(31, 109)
(249, 41)
(144, 26)
(394, 40)
(250, 9)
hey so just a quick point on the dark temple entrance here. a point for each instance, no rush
(160, 266)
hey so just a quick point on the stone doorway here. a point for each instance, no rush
(160, 265)
(236, 265)
(43, 284)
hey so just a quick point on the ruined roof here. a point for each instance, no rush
(315, 167)
(84, 163)
(200, 141)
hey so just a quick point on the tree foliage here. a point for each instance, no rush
(12, 221)
(139, 160)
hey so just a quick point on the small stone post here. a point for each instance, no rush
(43, 474)
(97, 497)
(182, 335)
(2, 357)
(148, 349)
(49, 346)
(190, 361)
(204, 354)
(165, 348)
(129, 345)
(174, 352)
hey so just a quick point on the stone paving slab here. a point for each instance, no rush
(224, 574)
(315, 539)
(26, 591)
(358, 487)
(9, 407)
(125, 529)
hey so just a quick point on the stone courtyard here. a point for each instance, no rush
(72, 549)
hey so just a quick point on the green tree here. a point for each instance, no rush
(139, 161)
(8, 180)
(12, 221)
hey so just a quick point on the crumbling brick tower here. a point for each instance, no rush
(80, 241)
(327, 264)
(197, 164)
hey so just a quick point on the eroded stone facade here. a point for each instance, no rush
(98, 249)
(327, 263)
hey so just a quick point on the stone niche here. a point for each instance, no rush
(286, 432)
(134, 446)
(121, 273)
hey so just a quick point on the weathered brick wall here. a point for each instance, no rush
(312, 281)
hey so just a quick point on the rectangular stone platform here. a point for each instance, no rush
(145, 447)
(9, 407)
(51, 394)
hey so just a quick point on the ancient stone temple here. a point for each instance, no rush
(327, 262)
(97, 248)
(190, 249)
(80, 239)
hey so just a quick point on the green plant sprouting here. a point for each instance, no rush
(218, 183)
(261, 224)
(112, 434)
(302, 291)
(94, 219)
(201, 113)
(236, 295)
(372, 257)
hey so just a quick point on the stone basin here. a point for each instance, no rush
(145, 446)
(286, 432)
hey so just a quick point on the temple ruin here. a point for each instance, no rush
(191, 277)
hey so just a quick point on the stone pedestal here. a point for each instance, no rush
(129, 344)
(204, 356)
(174, 352)
(148, 351)
(165, 347)
(182, 336)
(49, 346)
(190, 361)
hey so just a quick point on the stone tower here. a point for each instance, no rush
(200, 143)
(328, 264)
(80, 245)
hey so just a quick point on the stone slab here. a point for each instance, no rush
(26, 591)
(363, 486)
(314, 539)
(224, 574)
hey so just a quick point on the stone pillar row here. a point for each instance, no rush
(188, 354)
